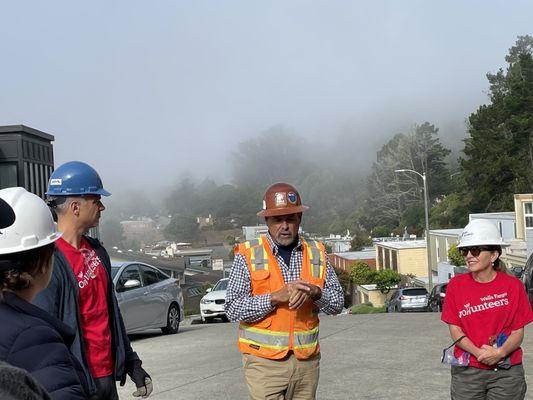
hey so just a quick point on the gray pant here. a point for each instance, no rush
(487, 384)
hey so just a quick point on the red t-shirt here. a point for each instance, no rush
(484, 310)
(93, 286)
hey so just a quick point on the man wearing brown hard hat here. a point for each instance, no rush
(277, 285)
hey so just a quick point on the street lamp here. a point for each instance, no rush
(426, 213)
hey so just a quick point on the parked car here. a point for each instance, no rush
(527, 278)
(436, 297)
(148, 298)
(408, 299)
(212, 304)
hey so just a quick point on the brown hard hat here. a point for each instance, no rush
(281, 199)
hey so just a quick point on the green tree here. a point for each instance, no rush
(450, 212)
(455, 256)
(344, 279)
(498, 158)
(360, 240)
(182, 228)
(391, 194)
(381, 231)
(362, 274)
(386, 279)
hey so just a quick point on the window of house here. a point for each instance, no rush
(380, 257)
(528, 214)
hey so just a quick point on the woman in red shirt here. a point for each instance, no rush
(486, 311)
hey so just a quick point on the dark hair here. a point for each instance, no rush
(498, 264)
(18, 269)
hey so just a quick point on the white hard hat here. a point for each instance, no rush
(481, 232)
(33, 227)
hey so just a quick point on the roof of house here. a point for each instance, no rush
(447, 232)
(407, 244)
(357, 255)
(510, 215)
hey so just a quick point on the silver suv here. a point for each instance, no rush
(408, 299)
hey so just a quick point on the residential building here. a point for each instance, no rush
(337, 243)
(344, 261)
(205, 222)
(371, 294)
(406, 257)
(253, 232)
(138, 226)
(440, 241)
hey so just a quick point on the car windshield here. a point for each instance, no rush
(415, 292)
(221, 285)
(114, 271)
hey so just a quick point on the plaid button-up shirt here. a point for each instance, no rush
(241, 305)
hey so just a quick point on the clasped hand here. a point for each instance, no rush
(490, 355)
(296, 293)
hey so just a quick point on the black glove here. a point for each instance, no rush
(140, 377)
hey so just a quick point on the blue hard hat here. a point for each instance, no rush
(75, 178)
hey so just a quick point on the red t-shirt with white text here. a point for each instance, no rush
(93, 285)
(484, 310)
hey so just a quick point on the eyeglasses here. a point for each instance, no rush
(474, 250)
(92, 200)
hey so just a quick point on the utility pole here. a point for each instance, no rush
(426, 214)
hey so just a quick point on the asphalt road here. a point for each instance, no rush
(379, 356)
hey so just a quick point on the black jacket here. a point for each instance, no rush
(17, 384)
(35, 341)
(60, 299)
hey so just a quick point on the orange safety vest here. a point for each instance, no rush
(283, 329)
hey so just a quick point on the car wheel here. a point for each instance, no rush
(207, 320)
(173, 320)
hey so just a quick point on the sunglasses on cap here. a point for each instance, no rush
(474, 250)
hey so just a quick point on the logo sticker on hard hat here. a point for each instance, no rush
(291, 196)
(279, 199)
(56, 181)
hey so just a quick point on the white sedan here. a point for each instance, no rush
(212, 304)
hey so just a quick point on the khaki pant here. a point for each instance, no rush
(287, 379)
(488, 384)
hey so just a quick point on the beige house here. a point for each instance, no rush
(369, 293)
(406, 257)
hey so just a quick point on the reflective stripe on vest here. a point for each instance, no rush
(277, 340)
(305, 339)
(259, 257)
(264, 337)
(316, 258)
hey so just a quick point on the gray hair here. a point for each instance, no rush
(60, 204)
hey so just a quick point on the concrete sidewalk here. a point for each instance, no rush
(377, 356)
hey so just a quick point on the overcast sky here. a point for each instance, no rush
(147, 91)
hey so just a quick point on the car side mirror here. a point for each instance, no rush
(132, 283)
(208, 290)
